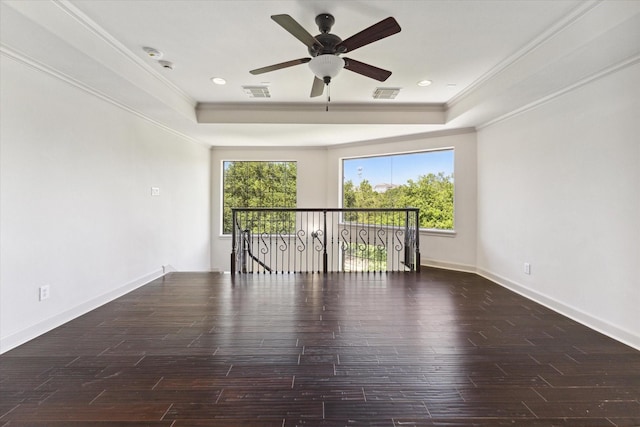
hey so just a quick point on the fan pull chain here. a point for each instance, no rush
(328, 97)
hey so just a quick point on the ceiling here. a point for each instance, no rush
(480, 56)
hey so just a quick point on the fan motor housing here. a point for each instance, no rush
(325, 21)
(329, 41)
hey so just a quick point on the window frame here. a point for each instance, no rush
(222, 186)
(429, 231)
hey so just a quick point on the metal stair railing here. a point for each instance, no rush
(324, 240)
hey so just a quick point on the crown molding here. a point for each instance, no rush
(114, 44)
(7, 52)
(588, 46)
(89, 46)
(559, 26)
(544, 100)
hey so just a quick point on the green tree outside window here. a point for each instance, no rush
(260, 184)
(397, 181)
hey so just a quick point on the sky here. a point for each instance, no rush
(397, 168)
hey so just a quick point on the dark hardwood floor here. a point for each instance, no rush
(437, 349)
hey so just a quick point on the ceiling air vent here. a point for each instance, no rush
(386, 93)
(257, 91)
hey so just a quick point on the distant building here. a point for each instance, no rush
(382, 188)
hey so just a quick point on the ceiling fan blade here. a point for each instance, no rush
(296, 30)
(280, 65)
(366, 69)
(318, 87)
(385, 28)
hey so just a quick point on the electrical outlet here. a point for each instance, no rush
(527, 268)
(155, 191)
(43, 292)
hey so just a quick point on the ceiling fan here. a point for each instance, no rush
(325, 49)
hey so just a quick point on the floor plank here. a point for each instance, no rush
(440, 348)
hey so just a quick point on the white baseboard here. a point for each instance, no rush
(31, 332)
(602, 326)
(445, 265)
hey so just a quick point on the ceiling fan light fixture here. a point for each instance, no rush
(326, 65)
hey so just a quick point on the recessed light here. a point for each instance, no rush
(152, 52)
(219, 80)
(423, 83)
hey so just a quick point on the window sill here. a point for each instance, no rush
(438, 233)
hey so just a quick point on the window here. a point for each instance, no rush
(421, 180)
(256, 184)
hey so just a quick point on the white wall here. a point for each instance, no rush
(76, 211)
(559, 187)
(457, 251)
(311, 180)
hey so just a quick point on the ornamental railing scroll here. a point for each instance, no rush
(324, 240)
